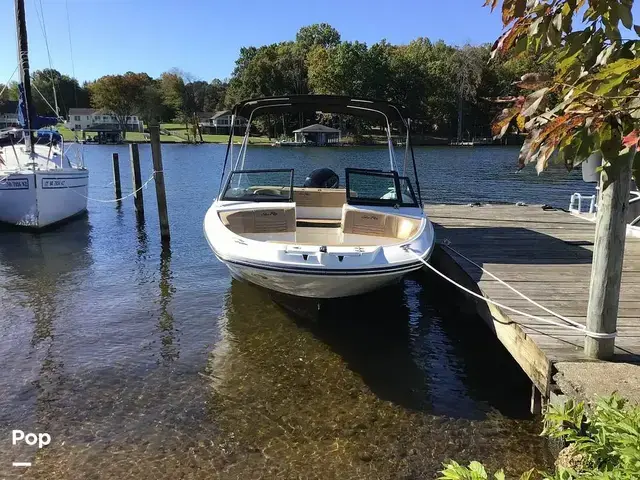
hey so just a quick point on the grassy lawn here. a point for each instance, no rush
(178, 135)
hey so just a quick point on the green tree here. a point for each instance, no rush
(186, 96)
(120, 95)
(9, 92)
(318, 34)
(152, 108)
(68, 93)
(215, 95)
(591, 103)
(468, 67)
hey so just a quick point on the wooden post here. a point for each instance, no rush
(608, 254)
(156, 153)
(137, 179)
(536, 400)
(116, 175)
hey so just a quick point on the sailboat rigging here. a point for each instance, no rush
(39, 186)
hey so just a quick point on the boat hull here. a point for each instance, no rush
(41, 199)
(316, 286)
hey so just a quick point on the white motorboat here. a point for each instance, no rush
(317, 239)
(39, 185)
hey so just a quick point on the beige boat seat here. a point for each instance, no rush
(260, 220)
(319, 197)
(319, 203)
(371, 223)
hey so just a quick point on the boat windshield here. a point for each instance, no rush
(375, 187)
(260, 186)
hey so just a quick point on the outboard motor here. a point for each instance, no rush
(322, 178)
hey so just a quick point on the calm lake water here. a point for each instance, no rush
(144, 362)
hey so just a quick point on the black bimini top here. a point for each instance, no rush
(372, 109)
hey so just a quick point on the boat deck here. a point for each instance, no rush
(546, 254)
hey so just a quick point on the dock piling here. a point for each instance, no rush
(608, 256)
(116, 175)
(156, 153)
(137, 178)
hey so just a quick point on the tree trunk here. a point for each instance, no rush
(460, 116)
(608, 254)
(197, 125)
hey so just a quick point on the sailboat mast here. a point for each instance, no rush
(23, 61)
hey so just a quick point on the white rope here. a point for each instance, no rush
(582, 329)
(446, 243)
(46, 43)
(6, 85)
(47, 102)
(144, 185)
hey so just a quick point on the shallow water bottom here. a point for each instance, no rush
(387, 385)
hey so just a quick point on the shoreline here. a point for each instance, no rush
(272, 144)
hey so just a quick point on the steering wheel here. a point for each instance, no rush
(267, 191)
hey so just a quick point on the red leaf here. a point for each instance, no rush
(632, 140)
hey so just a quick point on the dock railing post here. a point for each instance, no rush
(608, 255)
(116, 175)
(137, 178)
(156, 153)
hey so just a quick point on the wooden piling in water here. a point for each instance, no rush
(116, 175)
(156, 153)
(137, 178)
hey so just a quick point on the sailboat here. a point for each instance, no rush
(39, 185)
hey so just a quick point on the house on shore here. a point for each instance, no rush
(318, 134)
(90, 119)
(220, 123)
(9, 114)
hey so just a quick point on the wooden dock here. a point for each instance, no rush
(546, 254)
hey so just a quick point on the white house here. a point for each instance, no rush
(220, 122)
(8, 114)
(87, 118)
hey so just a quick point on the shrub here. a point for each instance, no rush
(604, 444)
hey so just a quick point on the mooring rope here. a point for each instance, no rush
(580, 328)
(447, 244)
(144, 185)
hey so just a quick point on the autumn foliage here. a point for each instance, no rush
(592, 101)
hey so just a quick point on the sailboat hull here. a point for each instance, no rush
(40, 199)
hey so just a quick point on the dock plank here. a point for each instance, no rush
(546, 254)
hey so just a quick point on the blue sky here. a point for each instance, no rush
(203, 37)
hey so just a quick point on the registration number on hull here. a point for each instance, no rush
(14, 184)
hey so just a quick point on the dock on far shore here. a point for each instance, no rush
(545, 254)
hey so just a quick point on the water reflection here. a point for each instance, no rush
(371, 333)
(43, 270)
(169, 350)
(365, 385)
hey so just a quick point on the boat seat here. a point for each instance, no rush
(260, 220)
(320, 203)
(372, 223)
(319, 197)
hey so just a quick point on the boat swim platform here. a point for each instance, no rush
(545, 254)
